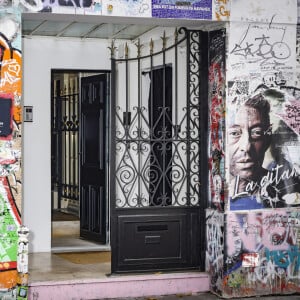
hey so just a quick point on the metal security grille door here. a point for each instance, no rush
(158, 140)
(64, 152)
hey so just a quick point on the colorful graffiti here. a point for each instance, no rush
(140, 8)
(215, 248)
(262, 252)
(216, 118)
(11, 279)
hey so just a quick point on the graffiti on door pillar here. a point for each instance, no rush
(13, 282)
(216, 92)
(261, 252)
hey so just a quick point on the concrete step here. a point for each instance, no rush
(123, 286)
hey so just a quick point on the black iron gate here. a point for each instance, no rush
(158, 164)
(64, 142)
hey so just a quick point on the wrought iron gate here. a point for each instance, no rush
(64, 142)
(158, 164)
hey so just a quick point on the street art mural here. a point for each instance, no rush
(262, 117)
(262, 209)
(216, 91)
(133, 8)
(197, 9)
(262, 252)
(13, 280)
(215, 248)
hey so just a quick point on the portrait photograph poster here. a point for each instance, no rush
(263, 124)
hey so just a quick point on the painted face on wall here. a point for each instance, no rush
(247, 143)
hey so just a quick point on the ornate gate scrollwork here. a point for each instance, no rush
(158, 139)
(157, 125)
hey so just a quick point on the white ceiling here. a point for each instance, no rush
(80, 26)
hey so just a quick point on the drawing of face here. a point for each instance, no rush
(237, 242)
(247, 143)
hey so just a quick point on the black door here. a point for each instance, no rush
(92, 162)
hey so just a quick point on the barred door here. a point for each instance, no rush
(158, 161)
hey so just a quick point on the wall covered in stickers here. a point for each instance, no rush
(262, 161)
(13, 277)
(262, 252)
(216, 134)
(254, 163)
(216, 158)
(196, 9)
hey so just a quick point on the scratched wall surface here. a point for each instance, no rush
(215, 249)
(262, 252)
(216, 135)
(10, 151)
(283, 11)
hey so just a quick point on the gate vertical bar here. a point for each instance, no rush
(139, 131)
(112, 161)
(188, 117)
(203, 129)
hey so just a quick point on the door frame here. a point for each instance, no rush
(91, 72)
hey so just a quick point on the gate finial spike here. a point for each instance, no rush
(139, 47)
(112, 48)
(176, 35)
(164, 40)
(151, 46)
(126, 50)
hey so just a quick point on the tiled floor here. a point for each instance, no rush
(50, 267)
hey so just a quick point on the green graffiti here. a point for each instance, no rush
(236, 280)
(8, 233)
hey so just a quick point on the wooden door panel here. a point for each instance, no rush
(92, 171)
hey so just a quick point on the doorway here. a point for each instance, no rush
(79, 202)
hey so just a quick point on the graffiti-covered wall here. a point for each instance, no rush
(216, 158)
(214, 256)
(197, 9)
(216, 136)
(262, 253)
(12, 282)
(262, 156)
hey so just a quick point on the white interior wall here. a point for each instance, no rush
(40, 55)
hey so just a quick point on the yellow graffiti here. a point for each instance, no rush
(8, 279)
(11, 75)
